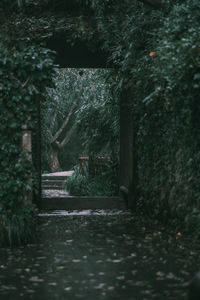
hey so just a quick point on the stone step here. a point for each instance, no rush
(53, 182)
(50, 187)
(54, 193)
(49, 177)
(73, 202)
(57, 175)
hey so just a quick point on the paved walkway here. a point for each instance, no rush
(88, 256)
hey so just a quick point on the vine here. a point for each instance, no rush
(26, 70)
(156, 52)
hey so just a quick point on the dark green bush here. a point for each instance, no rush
(85, 185)
(77, 184)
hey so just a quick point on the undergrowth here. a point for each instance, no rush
(85, 185)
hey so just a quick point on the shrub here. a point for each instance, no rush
(83, 185)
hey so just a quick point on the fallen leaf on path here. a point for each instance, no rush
(68, 289)
(36, 279)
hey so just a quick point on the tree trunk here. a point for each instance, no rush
(54, 161)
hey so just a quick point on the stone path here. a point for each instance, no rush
(86, 256)
(58, 174)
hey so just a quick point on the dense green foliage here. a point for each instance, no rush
(96, 119)
(24, 73)
(95, 115)
(98, 116)
(105, 184)
(56, 108)
(170, 125)
(159, 59)
(164, 87)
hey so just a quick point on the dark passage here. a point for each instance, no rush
(78, 55)
(93, 256)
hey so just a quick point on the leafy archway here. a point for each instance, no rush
(156, 52)
(27, 67)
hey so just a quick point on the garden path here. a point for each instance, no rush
(101, 255)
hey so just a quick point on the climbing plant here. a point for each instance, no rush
(169, 128)
(26, 70)
(155, 49)
(20, 84)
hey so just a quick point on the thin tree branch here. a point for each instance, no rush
(54, 118)
(25, 83)
(68, 136)
(49, 133)
(60, 130)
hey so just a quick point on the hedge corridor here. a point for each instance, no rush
(156, 54)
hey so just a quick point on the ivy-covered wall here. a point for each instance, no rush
(156, 53)
(156, 49)
(168, 137)
(26, 70)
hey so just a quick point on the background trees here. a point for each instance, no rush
(80, 115)
(164, 86)
(58, 119)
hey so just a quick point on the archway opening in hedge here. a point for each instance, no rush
(80, 134)
(80, 55)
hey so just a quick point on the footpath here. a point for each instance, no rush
(99, 255)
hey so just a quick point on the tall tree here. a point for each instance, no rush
(58, 114)
(80, 105)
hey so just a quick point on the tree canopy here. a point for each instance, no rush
(80, 115)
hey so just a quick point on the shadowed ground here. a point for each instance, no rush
(95, 255)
